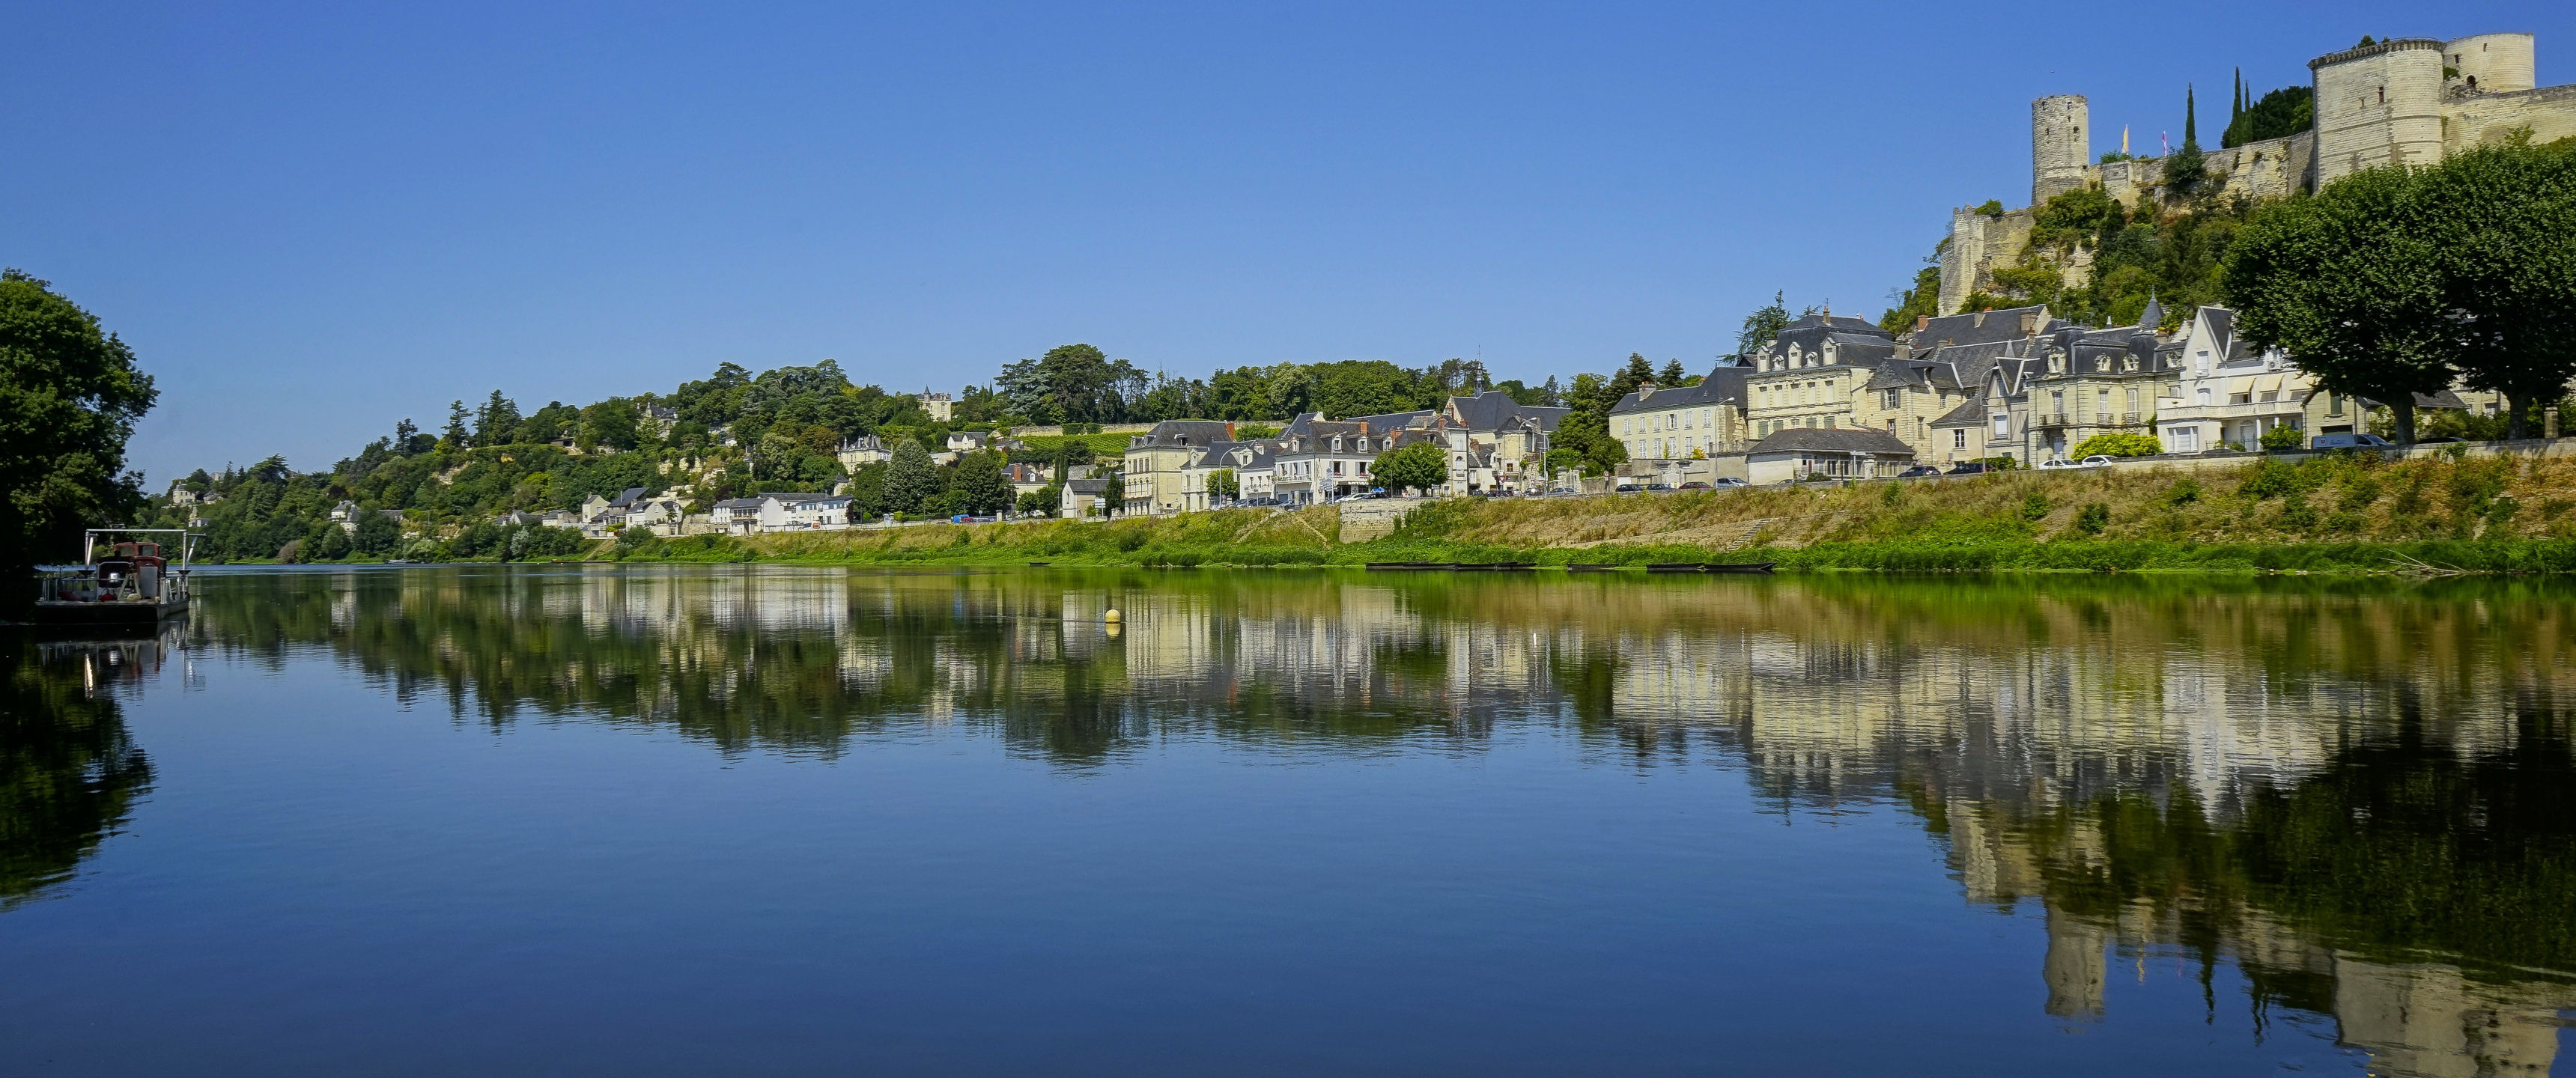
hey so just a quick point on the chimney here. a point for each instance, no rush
(1645, 390)
(1921, 320)
(2030, 319)
(1978, 319)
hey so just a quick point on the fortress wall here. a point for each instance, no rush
(1978, 244)
(2272, 168)
(2550, 114)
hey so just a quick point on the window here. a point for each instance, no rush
(1829, 422)
(2003, 425)
(2204, 396)
(1959, 438)
(2185, 439)
(2133, 400)
(1889, 398)
(2334, 403)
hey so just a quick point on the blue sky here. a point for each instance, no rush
(312, 222)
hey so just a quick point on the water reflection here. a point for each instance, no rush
(2358, 795)
(69, 773)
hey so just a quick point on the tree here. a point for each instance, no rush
(2188, 165)
(2280, 114)
(69, 397)
(2503, 222)
(979, 486)
(1047, 500)
(377, 534)
(1113, 498)
(456, 437)
(609, 423)
(910, 478)
(497, 421)
(1222, 483)
(1672, 375)
(1421, 466)
(2348, 283)
(1913, 303)
(1765, 324)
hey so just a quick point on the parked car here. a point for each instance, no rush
(2097, 460)
(1659, 486)
(1628, 488)
(1970, 467)
(1724, 481)
(2438, 441)
(1918, 471)
(2054, 463)
(2349, 441)
(1694, 485)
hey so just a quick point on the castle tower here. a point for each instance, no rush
(2060, 150)
(2379, 105)
(2491, 63)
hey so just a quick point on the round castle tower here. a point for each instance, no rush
(2491, 63)
(2379, 105)
(2061, 154)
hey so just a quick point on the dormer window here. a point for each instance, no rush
(2102, 364)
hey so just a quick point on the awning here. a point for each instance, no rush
(2239, 386)
(2270, 383)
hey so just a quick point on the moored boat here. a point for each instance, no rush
(130, 582)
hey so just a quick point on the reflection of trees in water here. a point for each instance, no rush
(69, 774)
(2356, 792)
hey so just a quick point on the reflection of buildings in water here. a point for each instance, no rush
(2003, 715)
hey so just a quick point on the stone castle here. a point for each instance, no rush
(2401, 101)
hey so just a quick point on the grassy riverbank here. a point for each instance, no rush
(2355, 514)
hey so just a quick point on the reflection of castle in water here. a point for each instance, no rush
(2126, 756)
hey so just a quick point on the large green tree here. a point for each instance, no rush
(979, 486)
(910, 478)
(2502, 222)
(69, 397)
(1421, 466)
(2349, 284)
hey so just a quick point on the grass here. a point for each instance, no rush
(2327, 514)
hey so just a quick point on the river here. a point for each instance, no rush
(783, 820)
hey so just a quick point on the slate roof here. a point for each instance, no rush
(627, 498)
(1093, 487)
(1185, 432)
(1708, 391)
(1494, 409)
(1982, 327)
(1832, 440)
(1970, 413)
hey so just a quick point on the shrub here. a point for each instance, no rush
(2280, 438)
(2093, 518)
(2296, 513)
(2118, 445)
(2034, 506)
(2183, 492)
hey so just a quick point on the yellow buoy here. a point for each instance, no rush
(1111, 617)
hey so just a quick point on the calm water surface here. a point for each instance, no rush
(779, 820)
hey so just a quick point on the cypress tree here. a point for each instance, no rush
(2184, 169)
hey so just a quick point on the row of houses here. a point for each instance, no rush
(1493, 443)
(2016, 383)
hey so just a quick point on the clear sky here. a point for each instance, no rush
(313, 222)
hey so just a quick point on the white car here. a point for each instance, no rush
(2097, 460)
(2057, 462)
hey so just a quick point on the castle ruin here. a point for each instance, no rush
(2401, 101)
